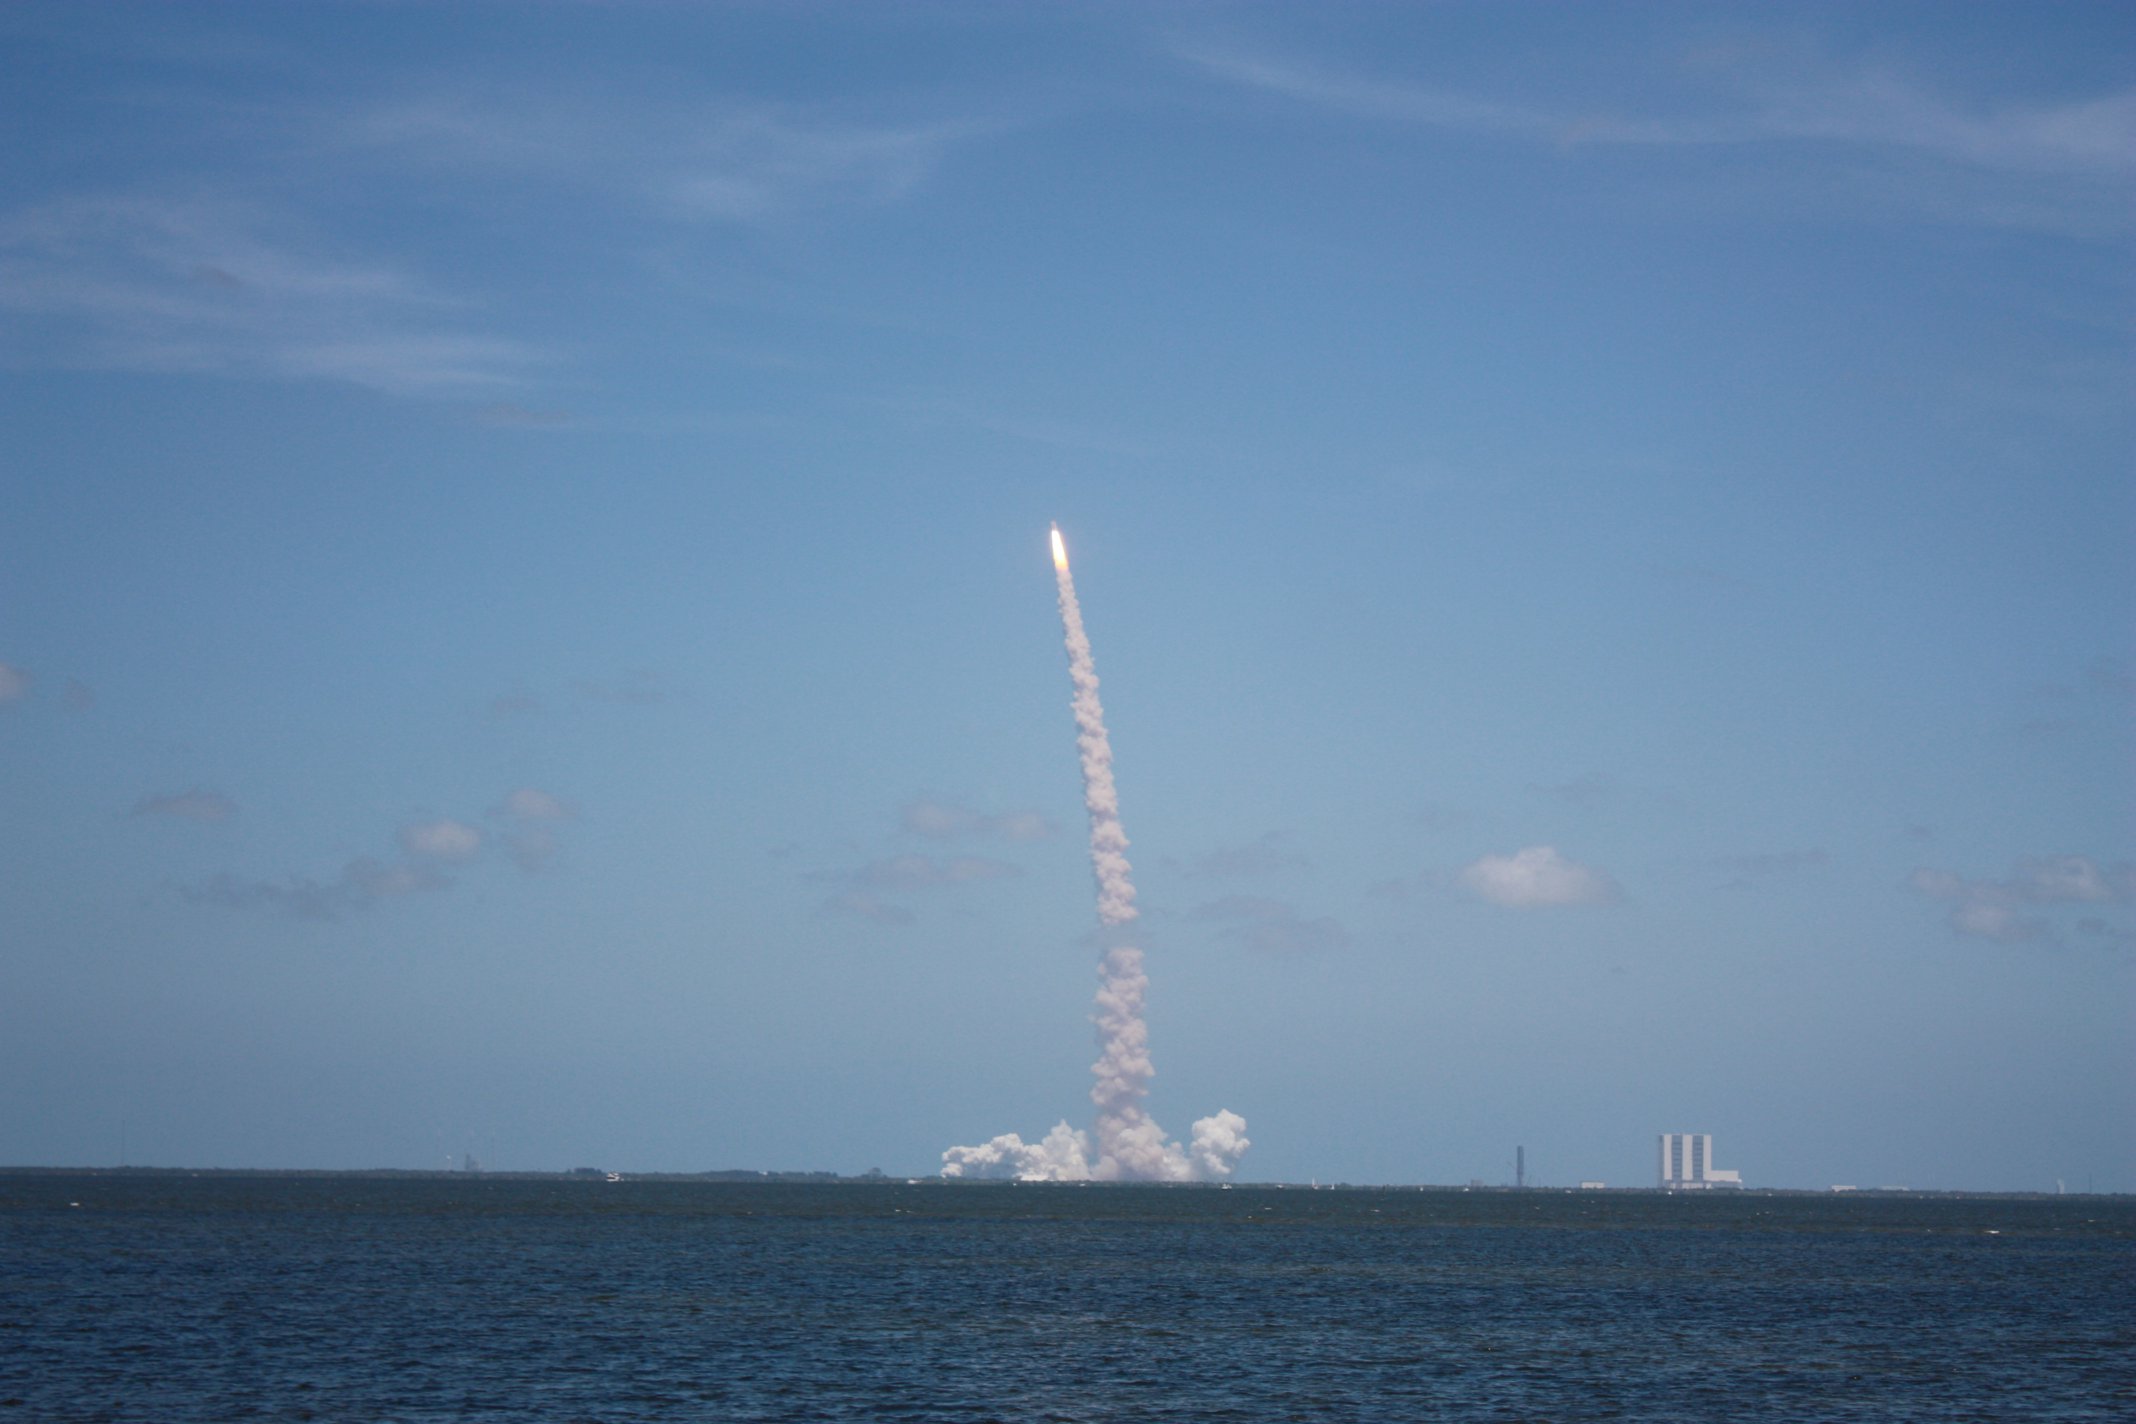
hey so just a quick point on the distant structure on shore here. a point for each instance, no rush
(1687, 1163)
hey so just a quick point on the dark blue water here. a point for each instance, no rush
(172, 1298)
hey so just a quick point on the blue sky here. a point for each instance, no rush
(526, 625)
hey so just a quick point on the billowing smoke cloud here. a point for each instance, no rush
(1129, 1145)
(1063, 1156)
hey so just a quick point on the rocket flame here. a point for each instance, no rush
(1060, 551)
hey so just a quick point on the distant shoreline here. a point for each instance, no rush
(601, 1177)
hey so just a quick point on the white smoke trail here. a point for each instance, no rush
(1130, 1146)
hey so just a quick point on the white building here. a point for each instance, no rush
(1687, 1163)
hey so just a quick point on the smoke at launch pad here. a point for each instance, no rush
(1129, 1145)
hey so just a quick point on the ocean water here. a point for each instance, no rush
(180, 1298)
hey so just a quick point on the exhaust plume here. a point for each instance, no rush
(1129, 1145)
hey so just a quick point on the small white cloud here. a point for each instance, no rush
(529, 804)
(2074, 877)
(944, 820)
(1535, 876)
(532, 849)
(1993, 909)
(1020, 826)
(441, 840)
(1987, 920)
(374, 879)
(194, 805)
(937, 819)
(531, 816)
(14, 683)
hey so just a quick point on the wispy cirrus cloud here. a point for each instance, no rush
(1263, 857)
(514, 416)
(1860, 106)
(14, 684)
(868, 907)
(862, 889)
(753, 166)
(721, 160)
(362, 882)
(529, 803)
(531, 817)
(920, 872)
(1271, 926)
(1371, 98)
(240, 266)
(873, 890)
(2111, 677)
(641, 687)
(1880, 109)
(427, 849)
(1771, 865)
(442, 839)
(197, 284)
(2108, 679)
(197, 804)
(2010, 910)
(1878, 140)
(516, 703)
(947, 820)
